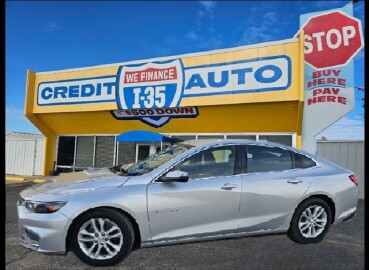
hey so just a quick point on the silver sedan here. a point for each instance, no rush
(187, 193)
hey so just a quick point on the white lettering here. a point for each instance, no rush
(329, 38)
(77, 91)
(308, 45)
(348, 33)
(318, 37)
(242, 77)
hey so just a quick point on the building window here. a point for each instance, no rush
(126, 153)
(99, 151)
(66, 150)
(201, 137)
(104, 153)
(282, 139)
(242, 137)
(184, 137)
(143, 151)
(85, 151)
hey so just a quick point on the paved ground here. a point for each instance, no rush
(343, 248)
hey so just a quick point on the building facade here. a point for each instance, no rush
(250, 92)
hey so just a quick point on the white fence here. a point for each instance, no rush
(24, 157)
(348, 154)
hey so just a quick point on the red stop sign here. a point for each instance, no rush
(331, 39)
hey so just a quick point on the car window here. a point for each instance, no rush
(212, 162)
(303, 162)
(267, 159)
(154, 161)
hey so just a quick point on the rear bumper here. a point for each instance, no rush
(346, 203)
(349, 217)
(346, 215)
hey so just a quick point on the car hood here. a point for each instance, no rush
(76, 182)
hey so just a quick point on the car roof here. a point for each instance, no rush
(201, 143)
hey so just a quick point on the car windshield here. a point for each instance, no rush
(154, 161)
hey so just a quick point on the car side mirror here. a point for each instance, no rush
(174, 176)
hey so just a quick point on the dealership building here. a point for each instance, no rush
(249, 92)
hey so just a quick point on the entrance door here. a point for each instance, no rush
(66, 151)
(142, 151)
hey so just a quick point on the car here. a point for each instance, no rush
(190, 191)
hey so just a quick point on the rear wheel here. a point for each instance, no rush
(102, 237)
(310, 222)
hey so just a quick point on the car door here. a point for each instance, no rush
(208, 204)
(270, 187)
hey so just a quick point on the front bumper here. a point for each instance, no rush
(42, 232)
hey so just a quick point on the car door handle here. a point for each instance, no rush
(294, 181)
(228, 186)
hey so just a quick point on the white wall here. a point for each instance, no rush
(348, 154)
(24, 157)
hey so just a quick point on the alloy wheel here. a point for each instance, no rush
(313, 221)
(100, 238)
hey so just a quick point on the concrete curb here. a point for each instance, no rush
(34, 179)
(15, 178)
(39, 180)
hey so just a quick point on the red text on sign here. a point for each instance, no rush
(327, 76)
(150, 75)
(327, 98)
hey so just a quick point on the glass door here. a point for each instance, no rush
(142, 151)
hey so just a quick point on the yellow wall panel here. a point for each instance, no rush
(263, 117)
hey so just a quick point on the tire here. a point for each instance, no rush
(308, 226)
(105, 247)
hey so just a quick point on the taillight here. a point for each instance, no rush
(354, 179)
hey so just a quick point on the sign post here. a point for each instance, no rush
(331, 40)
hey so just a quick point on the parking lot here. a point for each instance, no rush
(343, 248)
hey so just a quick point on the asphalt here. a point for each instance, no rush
(342, 248)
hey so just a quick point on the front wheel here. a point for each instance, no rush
(102, 237)
(310, 221)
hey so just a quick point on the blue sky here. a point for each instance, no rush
(46, 36)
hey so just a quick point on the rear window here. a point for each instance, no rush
(267, 159)
(303, 162)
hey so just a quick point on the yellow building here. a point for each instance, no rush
(252, 92)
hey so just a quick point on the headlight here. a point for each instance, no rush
(44, 207)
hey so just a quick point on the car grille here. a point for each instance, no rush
(32, 235)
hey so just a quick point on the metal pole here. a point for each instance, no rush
(94, 154)
(116, 152)
(75, 152)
